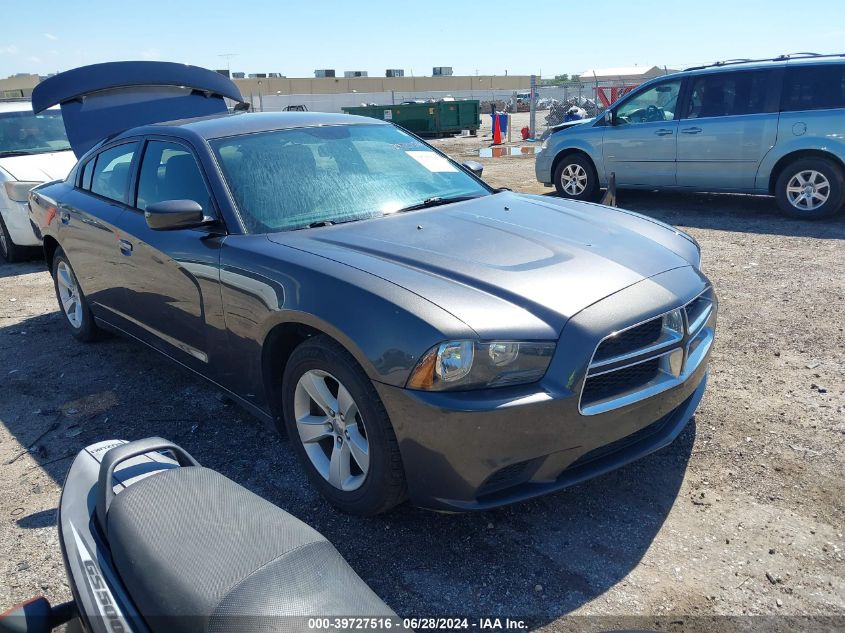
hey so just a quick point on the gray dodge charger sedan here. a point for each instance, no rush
(418, 334)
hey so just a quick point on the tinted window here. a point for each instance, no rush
(728, 94)
(288, 179)
(87, 170)
(813, 87)
(655, 104)
(170, 172)
(111, 172)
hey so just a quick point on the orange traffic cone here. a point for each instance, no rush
(497, 131)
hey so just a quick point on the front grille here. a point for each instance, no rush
(650, 357)
(630, 340)
(698, 310)
(614, 383)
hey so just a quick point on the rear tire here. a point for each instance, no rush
(371, 479)
(72, 302)
(9, 251)
(575, 178)
(810, 189)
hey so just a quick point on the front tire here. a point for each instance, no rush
(575, 178)
(340, 430)
(9, 251)
(72, 302)
(810, 189)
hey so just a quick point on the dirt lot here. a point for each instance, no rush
(743, 515)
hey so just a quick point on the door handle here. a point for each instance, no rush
(125, 247)
(691, 130)
(664, 132)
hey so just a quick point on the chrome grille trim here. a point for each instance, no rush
(694, 343)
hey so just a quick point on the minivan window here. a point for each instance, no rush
(111, 173)
(655, 104)
(815, 87)
(169, 171)
(728, 94)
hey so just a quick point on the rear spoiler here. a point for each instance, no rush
(101, 100)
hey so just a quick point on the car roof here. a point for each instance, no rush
(736, 65)
(238, 123)
(15, 105)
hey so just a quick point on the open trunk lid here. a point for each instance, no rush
(101, 100)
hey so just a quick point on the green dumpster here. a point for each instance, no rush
(427, 119)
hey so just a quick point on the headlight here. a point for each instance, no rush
(18, 190)
(464, 365)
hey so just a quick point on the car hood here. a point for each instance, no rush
(39, 167)
(519, 263)
(565, 126)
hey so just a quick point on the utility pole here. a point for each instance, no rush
(228, 57)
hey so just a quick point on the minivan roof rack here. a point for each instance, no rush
(779, 58)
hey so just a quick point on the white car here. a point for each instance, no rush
(33, 149)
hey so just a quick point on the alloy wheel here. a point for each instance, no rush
(69, 294)
(331, 430)
(808, 190)
(573, 179)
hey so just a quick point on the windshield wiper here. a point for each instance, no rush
(435, 201)
(18, 152)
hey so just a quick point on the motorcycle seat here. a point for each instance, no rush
(198, 552)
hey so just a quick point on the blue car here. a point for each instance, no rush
(772, 127)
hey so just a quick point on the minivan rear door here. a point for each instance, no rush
(729, 121)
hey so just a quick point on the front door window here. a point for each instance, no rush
(655, 104)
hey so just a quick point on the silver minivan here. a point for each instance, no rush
(772, 127)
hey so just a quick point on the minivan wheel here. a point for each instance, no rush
(810, 189)
(72, 301)
(339, 429)
(576, 178)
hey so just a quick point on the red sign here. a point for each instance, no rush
(609, 94)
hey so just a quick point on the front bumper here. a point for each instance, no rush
(16, 218)
(543, 166)
(476, 450)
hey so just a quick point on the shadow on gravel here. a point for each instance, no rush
(727, 212)
(37, 520)
(21, 268)
(540, 559)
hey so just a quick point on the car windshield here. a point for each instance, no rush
(28, 133)
(291, 179)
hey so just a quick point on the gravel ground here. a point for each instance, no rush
(741, 516)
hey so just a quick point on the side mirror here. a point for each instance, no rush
(610, 117)
(475, 167)
(174, 214)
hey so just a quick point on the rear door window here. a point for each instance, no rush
(111, 174)
(728, 94)
(813, 87)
